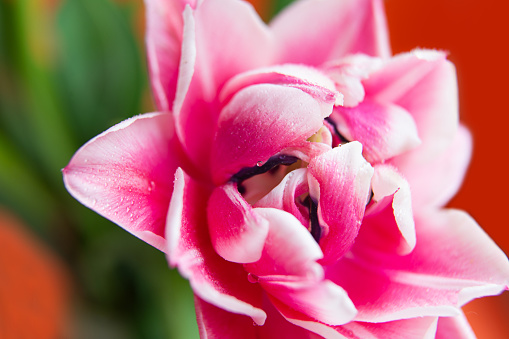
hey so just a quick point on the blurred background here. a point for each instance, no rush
(69, 69)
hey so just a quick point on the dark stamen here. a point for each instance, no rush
(316, 229)
(248, 172)
(371, 195)
(342, 139)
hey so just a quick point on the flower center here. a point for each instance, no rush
(255, 182)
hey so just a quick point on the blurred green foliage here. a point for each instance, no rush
(69, 70)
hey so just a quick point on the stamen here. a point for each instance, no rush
(342, 139)
(316, 229)
(248, 172)
(371, 195)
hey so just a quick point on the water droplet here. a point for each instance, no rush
(252, 278)
(259, 163)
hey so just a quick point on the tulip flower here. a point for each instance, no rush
(296, 174)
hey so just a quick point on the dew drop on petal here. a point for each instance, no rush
(252, 278)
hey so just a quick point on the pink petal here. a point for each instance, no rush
(214, 322)
(289, 250)
(415, 328)
(224, 38)
(261, 121)
(284, 195)
(164, 38)
(230, 39)
(123, 174)
(314, 32)
(213, 279)
(339, 180)
(324, 301)
(238, 233)
(453, 262)
(388, 224)
(309, 80)
(454, 327)
(277, 327)
(424, 84)
(288, 271)
(385, 130)
(444, 173)
(348, 73)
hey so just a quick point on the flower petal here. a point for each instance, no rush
(444, 173)
(385, 130)
(213, 279)
(163, 39)
(339, 180)
(388, 224)
(454, 327)
(463, 264)
(284, 195)
(415, 328)
(214, 49)
(261, 121)
(423, 83)
(332, 30)
(214, 322)
(289, 250)
(323, 300)
(288, 271)
(123, 174)
(308, 79)
(238, 233)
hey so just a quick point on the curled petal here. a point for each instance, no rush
(389, 223)
(424, 84)
(339, 180)
(284, 196)
(385, 130)
(260, 121)
(332, 30)
(323, 301)
(308, 79)
(219, 282)
(289, 250)
(122, 174)
(238, 233)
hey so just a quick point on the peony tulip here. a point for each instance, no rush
(296, 174)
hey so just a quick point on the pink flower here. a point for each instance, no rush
(295, 174)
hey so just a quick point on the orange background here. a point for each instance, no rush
(476, 34)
